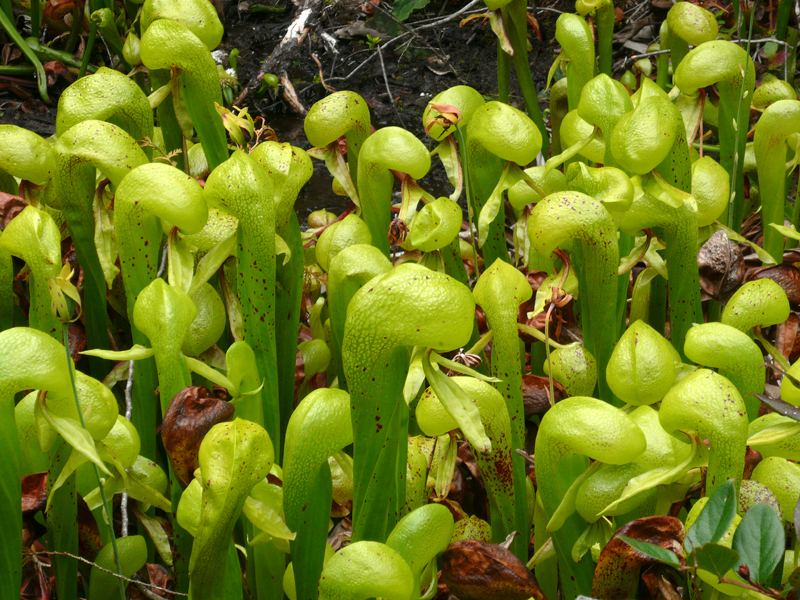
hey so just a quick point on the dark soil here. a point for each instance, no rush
(416, 68)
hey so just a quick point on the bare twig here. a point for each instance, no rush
(388, 89)
(128, 413)
(134, 581)
(141, 586)
(429, 25)
(636, 57)
(450, 17)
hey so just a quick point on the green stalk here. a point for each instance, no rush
(164, 313)
(290, 168)
(388, 149)
(559, 107)
(75, 30)
(87, 51)
(572, 432)
(497, 130)
(566, 215)
(731, 68)
(6, 291)
(349, 271)
(165, 113)
(107, 513)
(77, 158)
(503, 74)
(167, 44)
(662, 61)
(243, 188)
(17, 70)
(46, 54)
(780, 120)
(546, 570)
(33, 236)
(36, 19)
(500, 291)
(289, 281)
(340, 114)
(428, 309)
(41, 79)
(577, 46)
(734, 354)
(145, 194)
(604, 18)
(319, 427)
(709, 404)
(782, 20)
(515, 16)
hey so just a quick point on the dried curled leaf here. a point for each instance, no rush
(786, 276)
(536, 394)
(617, 572)
(475, 570)
(191, 414)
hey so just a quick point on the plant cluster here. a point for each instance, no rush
(195, 388)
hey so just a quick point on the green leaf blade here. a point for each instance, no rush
(716, 559)
(663, 555)
(760, 542)
(715, 518)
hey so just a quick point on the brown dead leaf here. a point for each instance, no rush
(10, 207)
(89, 540)
(55, 70)
(341, 534)
(617, 572)
(10, 53)
(786, 276)
(34, 493)
(786, 335)
(453, 506)
(55, 12)
(751, 460)
(290, 95)
(299, 372)
(160, 577)
(659, 586)
(77, 340)
(721, 265)
(190, 415)
(474, 570)
(536, 394)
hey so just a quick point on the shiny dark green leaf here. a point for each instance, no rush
(715, 518)
(715, 559)
(760, 542)
(657, 552)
